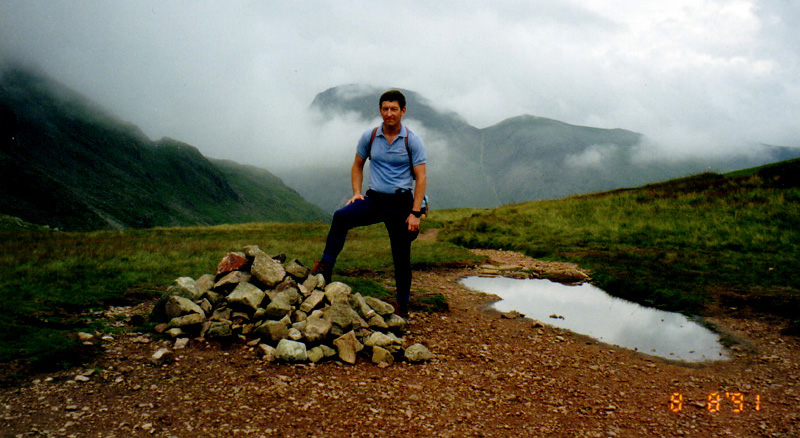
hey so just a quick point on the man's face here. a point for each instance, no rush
(391, 113)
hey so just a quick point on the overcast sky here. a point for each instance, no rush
(235, 78)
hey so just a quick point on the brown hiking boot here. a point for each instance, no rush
(401, 310)
(324, 269)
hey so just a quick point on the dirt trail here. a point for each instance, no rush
(492, 377)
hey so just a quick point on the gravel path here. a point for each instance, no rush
(491, 377)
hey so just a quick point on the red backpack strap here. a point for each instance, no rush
(371, 139)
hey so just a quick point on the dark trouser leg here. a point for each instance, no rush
(357, 214)
(401, 255)
(400, 239)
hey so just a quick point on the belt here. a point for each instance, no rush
(379, 195)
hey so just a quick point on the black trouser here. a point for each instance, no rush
(391, 209)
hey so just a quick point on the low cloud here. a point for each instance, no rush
(236, 79)
(593, 157)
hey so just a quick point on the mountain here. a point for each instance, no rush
(519, 159)
(455, 174)
(66, 163)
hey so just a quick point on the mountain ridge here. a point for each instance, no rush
(518, 159)
(83, 168)
(69, 164)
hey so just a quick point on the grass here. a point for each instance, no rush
(51, 281)
(686, 245)
(698, 245)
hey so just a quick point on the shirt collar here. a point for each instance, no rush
(403, 131)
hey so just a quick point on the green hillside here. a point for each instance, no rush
(256, 188)
(709, 244)
(70, 165)
(704, 244)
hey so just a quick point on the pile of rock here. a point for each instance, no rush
(291, 315)
(565, 273)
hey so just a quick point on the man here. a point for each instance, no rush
(398, 161)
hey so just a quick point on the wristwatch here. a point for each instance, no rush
(416, 213)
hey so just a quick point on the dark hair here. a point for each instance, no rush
(393, 96)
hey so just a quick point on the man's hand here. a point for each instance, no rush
(413, 223)
(355, 198)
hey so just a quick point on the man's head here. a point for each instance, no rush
(393, 96)
(392, 106)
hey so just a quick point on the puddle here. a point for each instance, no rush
(591, 311)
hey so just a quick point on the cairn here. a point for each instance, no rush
(290, 315)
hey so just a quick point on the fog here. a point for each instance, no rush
(236, 78)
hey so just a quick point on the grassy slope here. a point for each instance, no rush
(696, 245)
(690, 245)
(257, 187)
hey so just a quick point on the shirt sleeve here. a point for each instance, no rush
(418, 154)
(361, 148)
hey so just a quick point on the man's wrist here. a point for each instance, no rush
(416, 213)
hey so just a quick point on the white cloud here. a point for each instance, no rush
(594, 157)
(236, 78)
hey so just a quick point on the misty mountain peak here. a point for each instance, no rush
(363, 100)
(522, 158)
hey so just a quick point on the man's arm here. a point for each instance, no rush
(357, 178)
(421, 182)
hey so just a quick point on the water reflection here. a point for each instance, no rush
(589, 310)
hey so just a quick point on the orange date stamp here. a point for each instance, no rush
(735, 402)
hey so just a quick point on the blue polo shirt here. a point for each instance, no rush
(389, 166)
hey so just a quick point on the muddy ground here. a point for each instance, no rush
(491, 377)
